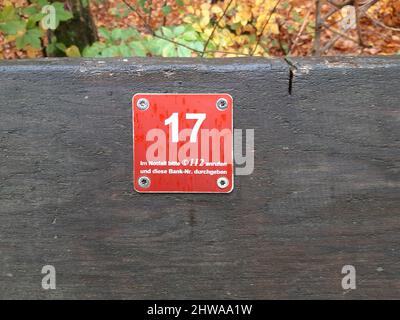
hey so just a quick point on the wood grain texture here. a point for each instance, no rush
(324, 192)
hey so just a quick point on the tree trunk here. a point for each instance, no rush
(316, 51)
(81, 30)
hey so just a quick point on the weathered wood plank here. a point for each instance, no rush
(324, 193)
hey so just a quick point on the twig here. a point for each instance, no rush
(146, 25)
(303, 26)
(264, 26)
(318, 26)
(358, 14)
(215, 27)
(340, 4)
(280, 40)
(381, 24)
(165, 17)
(333, 40)
(337, 32)
(330, 13)
(150, 30)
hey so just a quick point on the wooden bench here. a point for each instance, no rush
(325, 191)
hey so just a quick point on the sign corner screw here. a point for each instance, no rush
(143, 104)
(144, 182)
(222, 182)
(222, 104)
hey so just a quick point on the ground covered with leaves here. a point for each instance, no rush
(183, 28)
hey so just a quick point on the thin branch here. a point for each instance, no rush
(303, 26)
(264, 26)
(368, 4)
(330, 13)
(340, 4)
(215, 27)
(318, 28)
(151, 31)
(165, 17)
(146, 25)
(333, 40)
(381, 24)
(176, 43)
(337, 32)
(358, 14)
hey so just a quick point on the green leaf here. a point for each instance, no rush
(103, 32)
(30, 10)
(285, 4)
(50, 49)
(61, 13)
(94, 51)
(198, 45)
(168, 33)
(184, 52)
(130, 33)
(142, 3)
(153, 46)
(20, 42)
(90, 52)
(296, 17)
(61, 46)
(179, 30)
(169, 50)
(138, 49)
(13, 27)
(8, 13)
(42, 3)
(121, 10)
(32, 37)
(116, 34)
(190, 36)
(166, 10)
(51, 46)
(110, 52)
(115, 12)
(125, 50)
(179, 3)
(34, 19)
(73, 52)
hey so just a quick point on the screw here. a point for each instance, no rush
(143, 104)
(222, 104)
(144, 182)
(222, 182)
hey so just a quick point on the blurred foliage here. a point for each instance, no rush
(183, 28)
(166, 41)
(130, 43)
(236, 30)
(23, 25)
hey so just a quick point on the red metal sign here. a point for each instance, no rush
(183, 143)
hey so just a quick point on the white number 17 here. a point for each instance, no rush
(173, 120)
